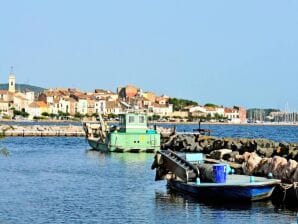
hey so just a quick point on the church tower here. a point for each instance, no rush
(12, 82)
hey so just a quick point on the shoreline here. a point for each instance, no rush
(152, 123)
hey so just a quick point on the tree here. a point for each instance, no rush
(45, 114)
(51, 115)
(155, 117)
(78, 115)
(210, 105)
(179, 104)
(112, 116)
(208, 117)
(95, 115)
(21, 113)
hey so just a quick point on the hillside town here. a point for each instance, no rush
(68, 103)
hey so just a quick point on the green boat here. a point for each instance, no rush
(131, 135)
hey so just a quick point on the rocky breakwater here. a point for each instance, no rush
(260, 157)
(41, 130)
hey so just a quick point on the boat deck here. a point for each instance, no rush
(239, 180)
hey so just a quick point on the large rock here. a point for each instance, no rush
(293, 153)
(265, 152)
(264, 167)
(251, 165)
(231, 157)
(236, 146)
(289, 170)
(227, 143)
(218, 144)
(282, 149)
(218, 154)
(277, 165)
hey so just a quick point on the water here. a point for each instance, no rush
(58, 180)
(277, 133)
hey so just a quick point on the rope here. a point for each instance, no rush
(286, 187)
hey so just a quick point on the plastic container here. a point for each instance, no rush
(220, 173)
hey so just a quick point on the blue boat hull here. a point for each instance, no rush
(239, 193)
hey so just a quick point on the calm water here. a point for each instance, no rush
(57, 180)
(278, 133)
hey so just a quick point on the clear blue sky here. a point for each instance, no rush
(224, 52)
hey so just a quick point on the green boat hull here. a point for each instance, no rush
(127, 142)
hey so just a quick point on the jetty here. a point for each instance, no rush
(41, 131)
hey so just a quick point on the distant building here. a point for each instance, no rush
(100, 106)
(12, 83)
(182, 114)
(4, 106)
(37, 108)
(129, 91)
(162, 110)
(236, 115)
(163, 100)
(113, 107)
(150, 96)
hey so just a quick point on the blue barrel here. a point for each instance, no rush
(219, 173)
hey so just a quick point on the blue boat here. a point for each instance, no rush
(236, 188)
(190, 178)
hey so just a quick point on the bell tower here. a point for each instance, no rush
(12, 81)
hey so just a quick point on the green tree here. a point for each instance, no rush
(210, 105)
(21, 113)
(45, 114)
(179, 104)
(208, 117)
(155, 117)
(78, 115)
(112, 116)
(51, 115)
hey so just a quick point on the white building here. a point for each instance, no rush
(162, 110)
(100, 106)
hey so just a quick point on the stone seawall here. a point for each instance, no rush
(41, 130)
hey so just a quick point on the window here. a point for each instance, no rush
(131, 119)
(142, 119)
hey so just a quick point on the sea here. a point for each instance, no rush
(60, 180)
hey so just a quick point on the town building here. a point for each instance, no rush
(129, 91)
(236, 115)
(37, 108)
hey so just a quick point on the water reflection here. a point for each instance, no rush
(125, 158)
(220, 212)
(173, 197)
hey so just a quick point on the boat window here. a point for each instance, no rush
(142, 119)
(121, 120)
(131, 119)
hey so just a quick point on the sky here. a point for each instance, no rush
(224, 52)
